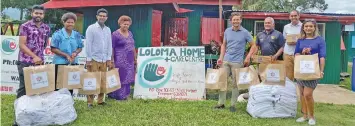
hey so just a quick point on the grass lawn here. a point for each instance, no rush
(166, 112)
(347, 82)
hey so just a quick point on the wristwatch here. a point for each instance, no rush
(322, 73)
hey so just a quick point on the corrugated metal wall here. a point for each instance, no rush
(141, 21)
(333, 59)
(210, 30)
(194, 35)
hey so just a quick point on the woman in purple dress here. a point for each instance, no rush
(124, 57)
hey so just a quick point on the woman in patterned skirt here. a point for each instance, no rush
(310, 43)
(124, 57)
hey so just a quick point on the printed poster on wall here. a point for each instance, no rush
(176, 73)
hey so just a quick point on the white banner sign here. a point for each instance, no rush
(170, 72)
(9, 72)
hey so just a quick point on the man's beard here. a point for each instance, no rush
(37, 19)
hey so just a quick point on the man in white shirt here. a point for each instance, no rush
(293, 28)
(98, 51)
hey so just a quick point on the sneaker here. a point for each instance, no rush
(312, 122)
(90, 106)
(301, 119)
(232, 109)
(219, 106)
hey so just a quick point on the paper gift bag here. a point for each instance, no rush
(245, 77)
(69, 76)
(292, 38)
(273, 74)
(216, 79)
(307, 67)
(39, 79)
(261, 59)
(90, 82)
(113, 81)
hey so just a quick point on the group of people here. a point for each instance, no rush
(104, 50)
(273, 43)
(107, 51)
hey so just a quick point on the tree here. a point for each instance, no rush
(283, 5)
(52, 16)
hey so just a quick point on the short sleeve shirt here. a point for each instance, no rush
(270, 43)
(66, 44)
(37, 38)
(235, 44)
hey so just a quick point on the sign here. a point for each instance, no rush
(176, 73)
(349, 27)
(9, 72)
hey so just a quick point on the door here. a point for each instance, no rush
(156, 28)
(176, 29)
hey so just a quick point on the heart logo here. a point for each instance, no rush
(39, 78)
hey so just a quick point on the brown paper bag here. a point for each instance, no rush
(273, 74)
(307, 67)
(69, 76)
(91, 82)
(245, 77)
(292, 38)
(216, 79)
(113, 81)
(39, 79)
(261, 59)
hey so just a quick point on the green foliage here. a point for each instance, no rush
(283, 5)
(183, 113)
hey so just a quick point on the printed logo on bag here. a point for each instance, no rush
(73, 78)
(154, 72)
(89, 84)
(8, 46)
(244, 78)
(39, 80)
(212, 78)
(112, 81)
(273, 75)
(307, 67)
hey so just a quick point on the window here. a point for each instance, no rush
(258, 27)
(321, 29)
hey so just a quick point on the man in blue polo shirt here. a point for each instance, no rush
(232, 55)
(270, 41)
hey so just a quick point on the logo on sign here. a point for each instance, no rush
(74, 76)
(154, 73)
(9, 46)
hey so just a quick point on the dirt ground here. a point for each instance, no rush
(333, 94)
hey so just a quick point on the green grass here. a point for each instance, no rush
(347, 82)
(166, 112)
(8, 32)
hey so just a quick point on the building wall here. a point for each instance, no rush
(141, 21)
(194, 33)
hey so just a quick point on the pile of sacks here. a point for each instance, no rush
(272, 101)
(52, 108)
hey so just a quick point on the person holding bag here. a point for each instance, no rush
(34, 35)
(98, 51)
(232, 54)
(310, 43)
(66, 44)
(124, 57)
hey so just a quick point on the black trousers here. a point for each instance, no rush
(22, 90)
